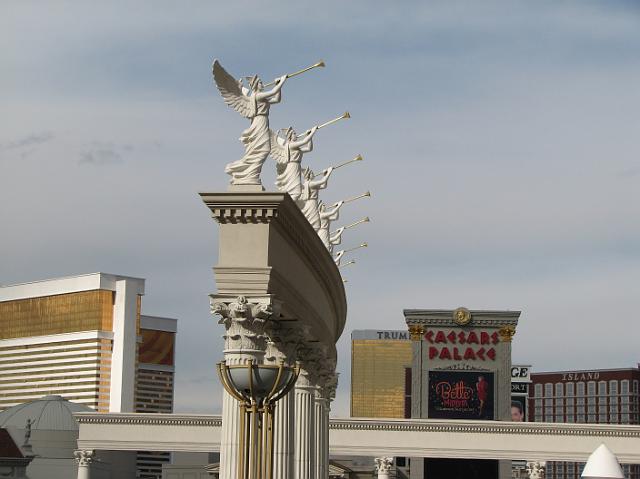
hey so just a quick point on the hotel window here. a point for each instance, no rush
(570, 418)
(591, 388)
(580, 417)
(571, 468)
(548, 412)
(635, 386)
(559, 413)
(548, 390)
(591, 408)
(613, 387)
(591, 418)
(559, 402)
(624, 386)
(602, 388)
(625, 418)
(580, 401)
(614, 418)
(538, 390)
(580, 389)
(559, 390)
(570, 389)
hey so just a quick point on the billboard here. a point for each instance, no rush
(461, 395)
(518, 408)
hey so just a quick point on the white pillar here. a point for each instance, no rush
(319, 414)
(124, 351)
(304, 393)
(245, 340)
(230, 431)
(84, 458)
(283, 441)
(282, 346)
(323, 446)
(383, 467)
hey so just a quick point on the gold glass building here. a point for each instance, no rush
(379, 361)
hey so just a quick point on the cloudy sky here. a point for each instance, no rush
(501, 144)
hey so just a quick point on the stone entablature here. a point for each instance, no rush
(268, 248)
(374, 437)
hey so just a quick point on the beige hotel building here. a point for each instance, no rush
(84, 338)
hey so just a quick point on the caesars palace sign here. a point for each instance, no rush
(462, 345)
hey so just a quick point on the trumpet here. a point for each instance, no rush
(319, 64)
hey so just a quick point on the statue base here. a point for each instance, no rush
(245, 188)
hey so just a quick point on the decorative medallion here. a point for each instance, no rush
(462, 316)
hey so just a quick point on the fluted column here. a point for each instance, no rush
(332, 385)
(245, 340)
(282, 347)
(304, 393)
(383, 467)
(322, 434)
(84, 458)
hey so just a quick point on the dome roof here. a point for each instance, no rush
(51, 413)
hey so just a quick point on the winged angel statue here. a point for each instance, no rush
(288, 153)
(252, 103)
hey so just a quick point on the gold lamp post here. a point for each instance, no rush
(257, 387)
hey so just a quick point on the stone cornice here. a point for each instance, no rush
(487, 427)
(155, 419)
(444, 318)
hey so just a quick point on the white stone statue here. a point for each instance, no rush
(327, 215)
(308, 200)
(252, 103)
(287, 152)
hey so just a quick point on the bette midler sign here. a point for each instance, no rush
(460, 395)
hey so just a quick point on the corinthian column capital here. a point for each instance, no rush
(245, 320)
(282, 344)
(84, 457)
(383, 465)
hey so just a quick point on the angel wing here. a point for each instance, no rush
(278, 149)
(230, 90)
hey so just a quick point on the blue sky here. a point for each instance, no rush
(500, 142)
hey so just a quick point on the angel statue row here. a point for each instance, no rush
(249, 97)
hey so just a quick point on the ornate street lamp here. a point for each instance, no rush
(257, 387)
